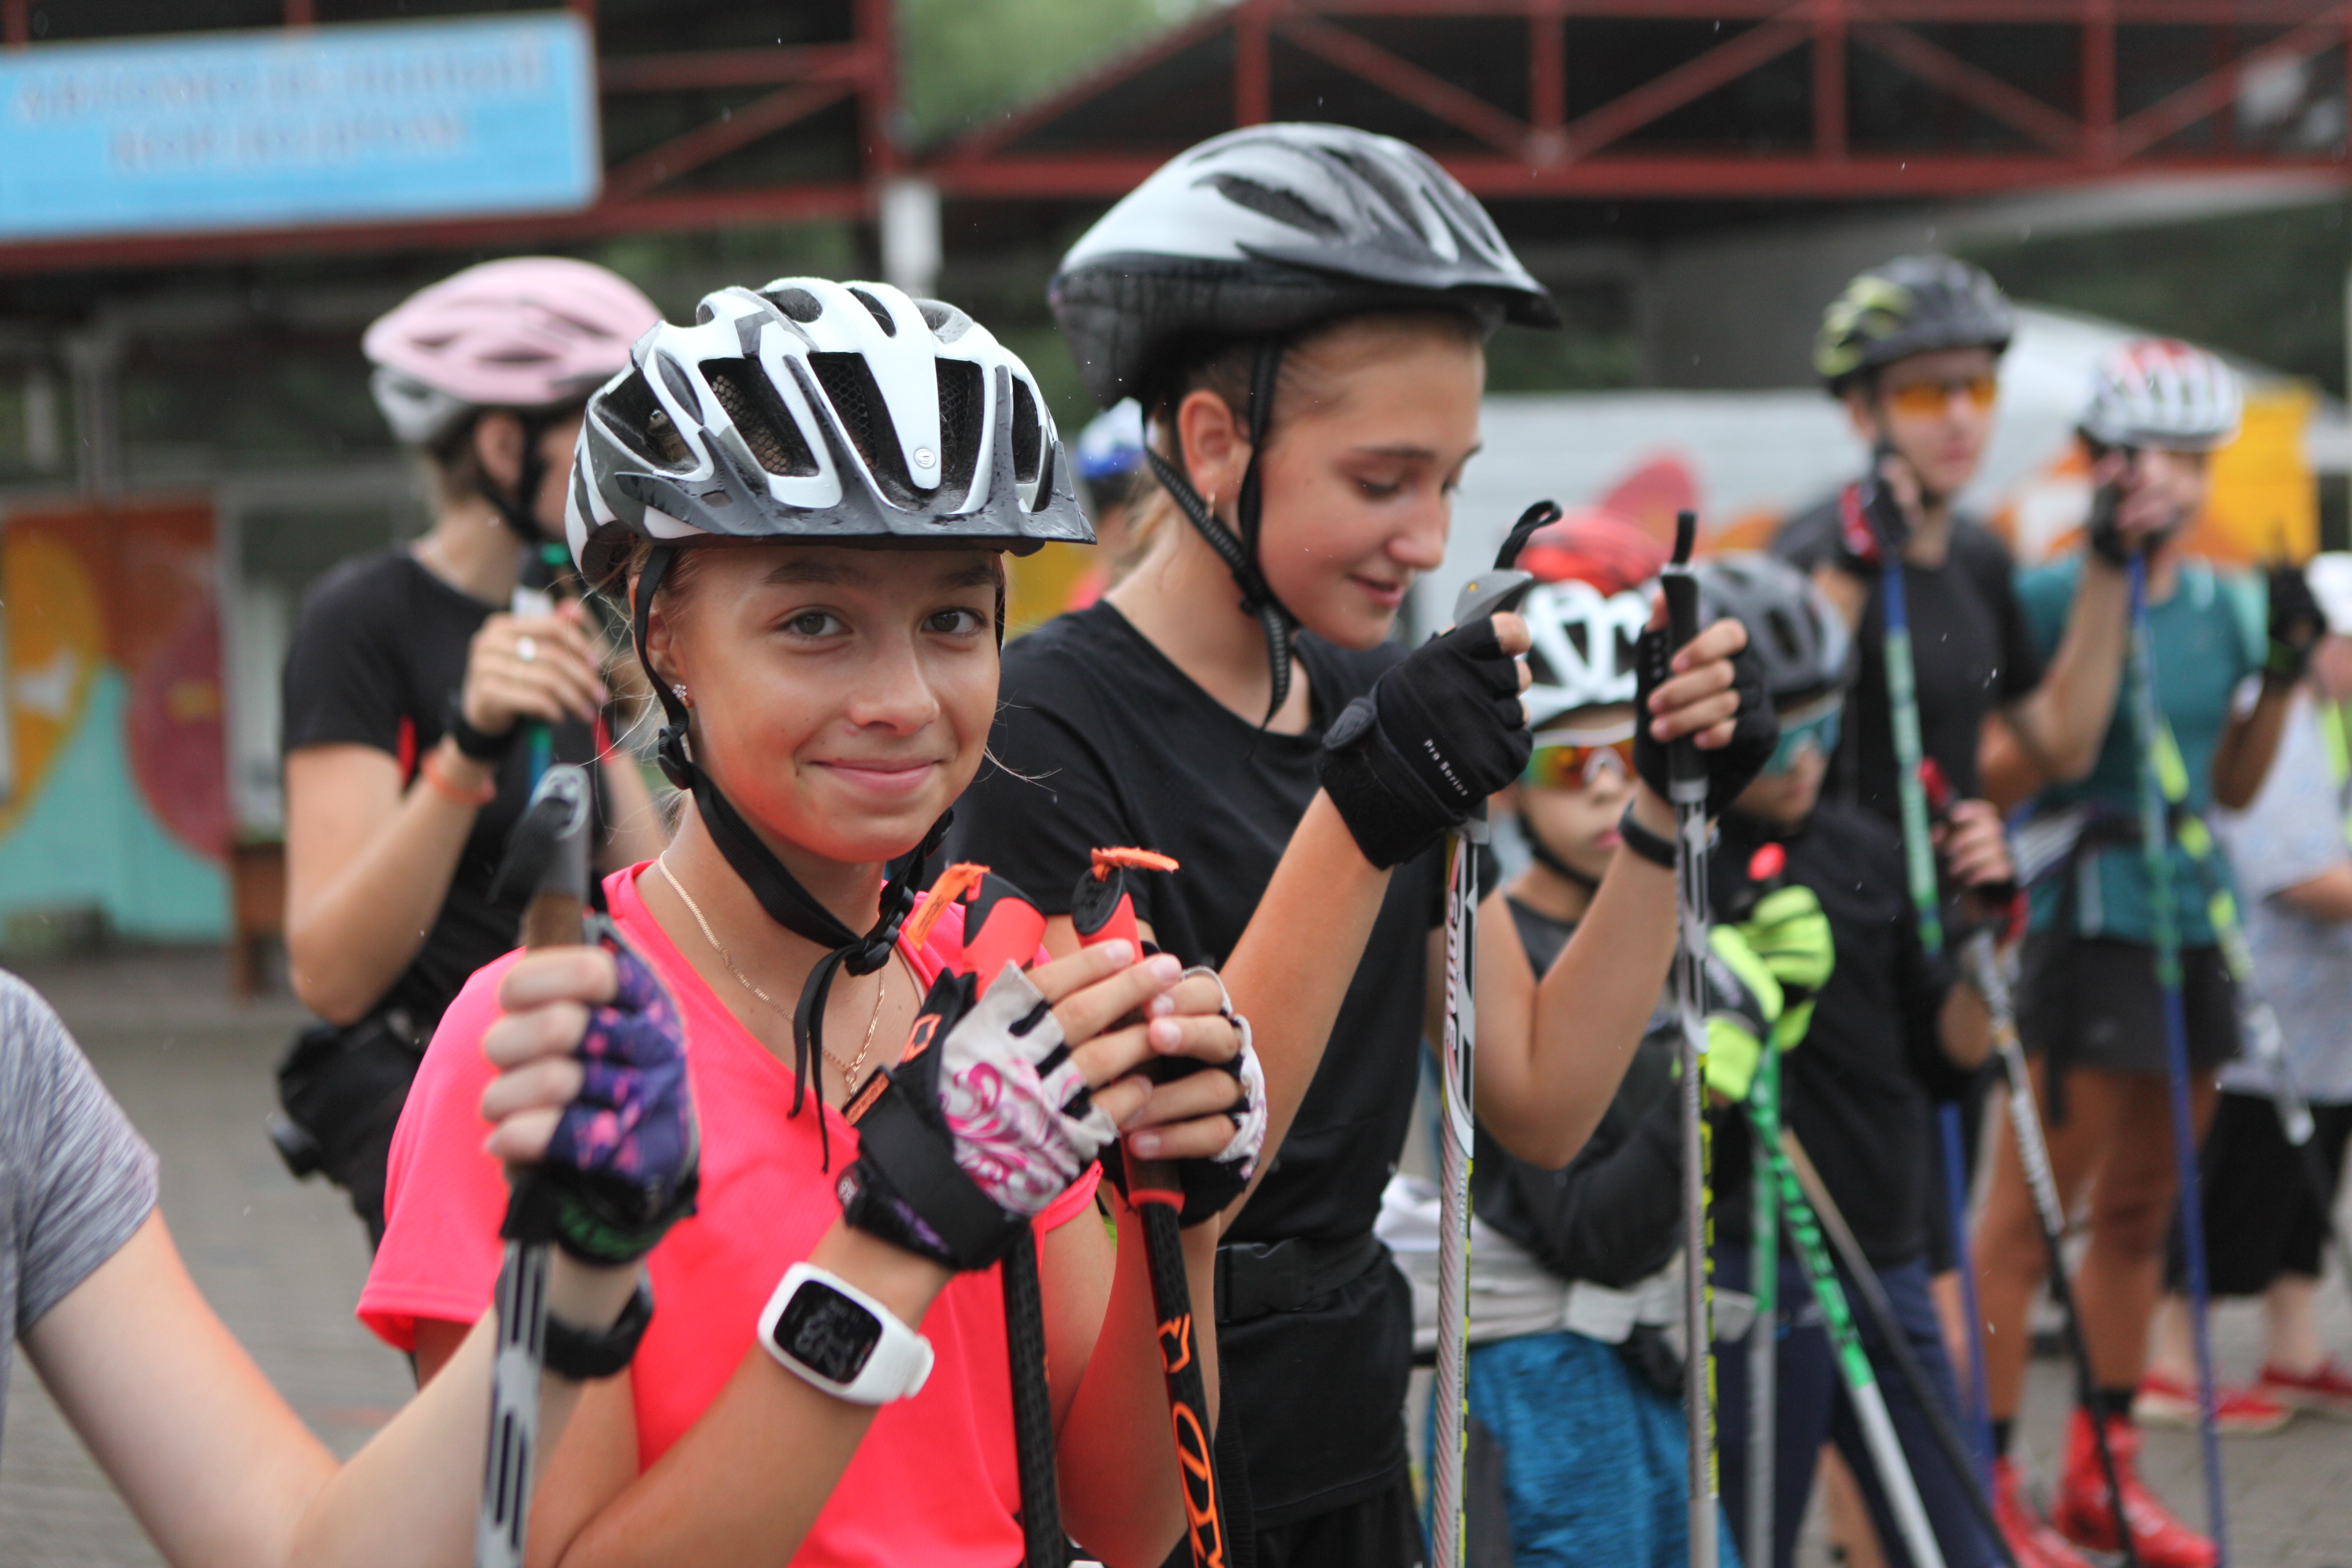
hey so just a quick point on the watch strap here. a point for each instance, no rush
(1651, 846)
(585, 1354)
(896, 1368)
(478, 744)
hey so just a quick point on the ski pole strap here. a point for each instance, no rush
(1903, 713)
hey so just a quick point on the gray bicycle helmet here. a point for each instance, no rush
(823, 412)
(1803, 640)
(1272, 228)
(1260, 234)
(1911, 305)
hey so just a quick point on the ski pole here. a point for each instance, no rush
(1000, 927)
(1765, 869)
(548, 853)
(1487, 593)
(2156, 845)
(1101, 911)
(1990, 978)
(1913, 781)
(1686, 783)
(1861, 1379)
(1953, 1447)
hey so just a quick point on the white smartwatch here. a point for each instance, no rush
(828, 1333)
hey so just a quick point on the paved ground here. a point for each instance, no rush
(283, 1263)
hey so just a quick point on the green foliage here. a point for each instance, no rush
(964, 60)
(2266, 285)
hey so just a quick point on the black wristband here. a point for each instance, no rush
(1657, 851)
(477, 744)
(585, 1354)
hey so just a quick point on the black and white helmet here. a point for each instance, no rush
(1271, 228)
(1804, 644)
(820, 411)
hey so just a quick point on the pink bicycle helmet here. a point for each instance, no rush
(528, 333)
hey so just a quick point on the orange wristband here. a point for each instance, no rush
(449, 789)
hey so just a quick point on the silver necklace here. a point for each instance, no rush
(881, 985)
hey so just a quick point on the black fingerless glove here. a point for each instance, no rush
(2295, 625)
(1435, 736)
(2104, 536)
(1730, 768)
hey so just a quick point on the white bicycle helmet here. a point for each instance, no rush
(2158, 392)
(824, 412)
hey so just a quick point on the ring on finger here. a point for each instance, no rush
(526, 647)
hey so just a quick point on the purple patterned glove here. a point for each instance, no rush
(623, 1163)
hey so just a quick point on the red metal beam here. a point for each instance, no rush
(17, 23)
(2192, 104)
(1360, 58)
(1252, 67)
(878, 97)
(1693, 78)
(1635, 176)
(658, 166)
(1829, 79)
(730, 67)
(300, 13)
(1547, 86)
(984, 141)
(646, 215)
(1939, 68)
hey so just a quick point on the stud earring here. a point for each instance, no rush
(681, 690)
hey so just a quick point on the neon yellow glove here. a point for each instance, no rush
(1789, 933)
(1743, 1003)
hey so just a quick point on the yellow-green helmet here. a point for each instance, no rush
(1912, 304)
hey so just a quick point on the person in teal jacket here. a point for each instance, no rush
(2226, 651)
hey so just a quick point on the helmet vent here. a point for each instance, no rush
(1282, 206)
(849, 386)
(1382, 180)
(875, 308)
(759, 418)
(1027, 452)
(798, 303)
(947, 322)
(963, 406)
(641, 418)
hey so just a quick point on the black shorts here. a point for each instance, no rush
(2262, 1216)
(2093, 1002)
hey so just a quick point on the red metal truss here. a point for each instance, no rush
(646, 190)
(2128, 107)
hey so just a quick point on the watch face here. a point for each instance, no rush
(827, 1332)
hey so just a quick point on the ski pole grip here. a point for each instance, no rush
(1685, 770)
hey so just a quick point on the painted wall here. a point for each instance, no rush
(115, 790)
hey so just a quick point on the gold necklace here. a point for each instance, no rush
(881, 984)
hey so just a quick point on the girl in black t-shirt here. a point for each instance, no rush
(415, 675)
(1301, 310)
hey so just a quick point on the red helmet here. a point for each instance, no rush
(1592, 601)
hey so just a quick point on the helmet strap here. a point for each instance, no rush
(780, 893)
(519, 508)
(1556, 865)
(1240, 554)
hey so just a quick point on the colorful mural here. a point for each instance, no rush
(115, 790)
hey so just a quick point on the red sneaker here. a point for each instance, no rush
(2237, 1412)
(2326, 1390)
(2030, 1539)
(2083, 1515)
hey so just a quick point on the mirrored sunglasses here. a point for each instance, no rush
(1577, 760)
(1813, 729)
(1925, 399)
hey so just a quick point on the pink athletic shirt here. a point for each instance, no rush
(935, 1481)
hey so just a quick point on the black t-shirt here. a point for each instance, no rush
(1972, 651)
(1102, 741)
(377, 649)
(1612, 1214)
(1857, 1089)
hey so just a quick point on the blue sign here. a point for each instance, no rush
(315, 125)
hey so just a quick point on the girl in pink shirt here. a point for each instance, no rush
(742, 488)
